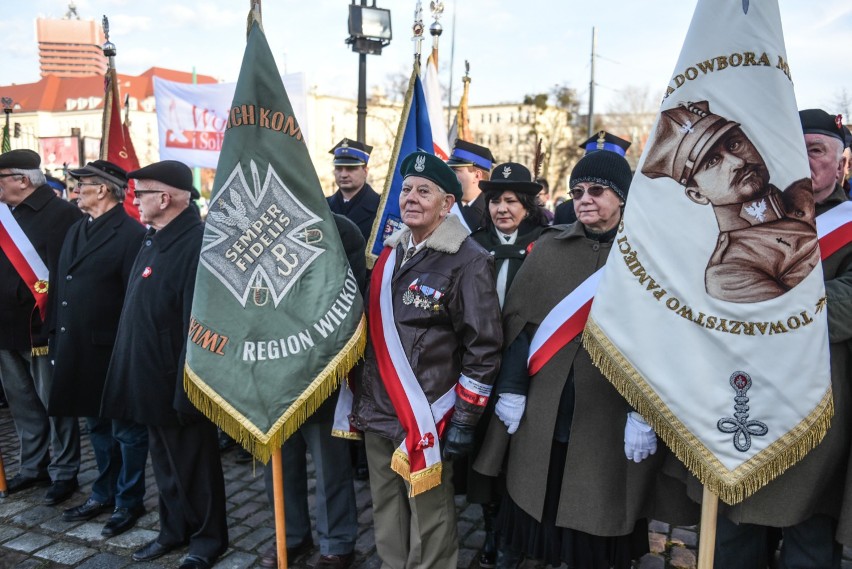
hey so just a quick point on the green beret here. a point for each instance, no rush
(431, 167)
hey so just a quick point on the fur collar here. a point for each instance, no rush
(447, 238)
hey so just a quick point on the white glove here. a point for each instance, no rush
(510, 409)
(640, 441)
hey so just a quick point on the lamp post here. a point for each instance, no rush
(369, 32)
(7, 109)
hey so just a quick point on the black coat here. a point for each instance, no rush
(145, 378)
(565, 213)
(475, 212)
(360, 210)
(45, 219)
(86, 304)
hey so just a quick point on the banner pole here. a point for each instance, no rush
(3, 487)
(707, 539)
(278, 493)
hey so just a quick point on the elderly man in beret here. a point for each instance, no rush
(767, 244)
(35, 223)
(145, 377)
(433, 353)
(94, 268)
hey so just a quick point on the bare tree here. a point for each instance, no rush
(630, 116)
(843, 104)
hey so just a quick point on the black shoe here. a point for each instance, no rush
(86, 511)
(196, 562)
(59, 491)
(122, 519)
(153, 550)
(20, 482)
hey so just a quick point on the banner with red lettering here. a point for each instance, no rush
(191, 119)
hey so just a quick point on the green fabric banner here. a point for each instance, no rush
(277, 318)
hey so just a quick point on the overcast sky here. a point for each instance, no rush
(514, 48)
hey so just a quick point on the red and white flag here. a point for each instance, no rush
(710, 316)
(116, 145)
(435, 106)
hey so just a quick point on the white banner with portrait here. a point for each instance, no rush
(710, 314)
(191, 119)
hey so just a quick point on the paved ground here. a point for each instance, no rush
(33, 536)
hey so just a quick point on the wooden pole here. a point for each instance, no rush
(278, 493)
(3, 488)
(707, 539)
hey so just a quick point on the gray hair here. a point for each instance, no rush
(116, 190)
(35, 176)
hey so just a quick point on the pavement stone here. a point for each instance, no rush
(33, 536)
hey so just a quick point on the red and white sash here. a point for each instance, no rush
(418, 458)
(834, 229)
(568, 318)
(21, 252)
(563, 323)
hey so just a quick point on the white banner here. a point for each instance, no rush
(191, 119)
(710, 314)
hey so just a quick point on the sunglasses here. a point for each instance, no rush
(594, 191)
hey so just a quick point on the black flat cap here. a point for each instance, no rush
(170, 172)
(817, 121)
(513, 177)
(22, 159)
(102, 169)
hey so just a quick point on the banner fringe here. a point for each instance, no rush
(420, 481)
(346, 435)
(731, 488)
(39, 351)
(261, 445)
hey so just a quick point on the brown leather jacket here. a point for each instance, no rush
(458, 334)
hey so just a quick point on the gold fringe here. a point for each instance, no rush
(242, 430)
(346, 435)
(419, 481)
(39, 351)
(734, 486)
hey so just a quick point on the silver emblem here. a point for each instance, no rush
(757, 210)
(407, 297)
(507, 171)
(687, 128)
(420, 163)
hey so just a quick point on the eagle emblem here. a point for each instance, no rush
(420, 163)
(507, 171)
(757, 210)
(687, 128)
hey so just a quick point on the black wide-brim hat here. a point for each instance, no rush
(513, 177)
(102, 169)
(170, 172)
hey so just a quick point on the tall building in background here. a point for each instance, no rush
(70, 47)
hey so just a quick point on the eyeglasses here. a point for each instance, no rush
(143, 192)
(594, 191)
(76, 189)
(10, 175)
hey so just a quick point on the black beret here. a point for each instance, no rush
(431, 167)
(513, 177)
(22, 159)
(170, 172)
(102, 169)
(817, 121)
(351, 153)
(605, 168)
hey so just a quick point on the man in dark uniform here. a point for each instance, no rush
(145, 378)
(354, 197)
(603, 140)
(94, 267)
(471, 163)
(35, 228)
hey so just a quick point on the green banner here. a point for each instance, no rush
(277, 318)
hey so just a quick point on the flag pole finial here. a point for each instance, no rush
(417, 28)
(436, 29)
(254, 16)
(108, 47)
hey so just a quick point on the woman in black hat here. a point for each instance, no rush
(514, 221)
(572, 494)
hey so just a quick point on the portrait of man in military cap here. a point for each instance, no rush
(767, 240)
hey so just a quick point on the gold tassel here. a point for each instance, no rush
(260, 444)
(732, 487)
(39, 351)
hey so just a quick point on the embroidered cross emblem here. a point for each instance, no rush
(686, 128)
(739, 425)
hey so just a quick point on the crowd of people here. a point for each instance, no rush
(94, 315)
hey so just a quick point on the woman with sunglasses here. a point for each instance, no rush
(572, 495)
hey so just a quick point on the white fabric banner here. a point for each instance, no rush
(191, 119)
(709, 317)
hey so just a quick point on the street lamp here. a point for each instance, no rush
(369, 32)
